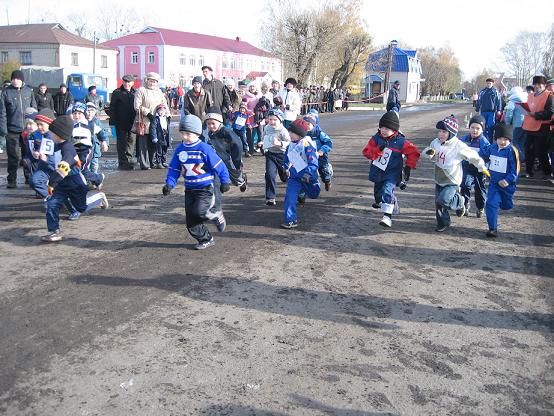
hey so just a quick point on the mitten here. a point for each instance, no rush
(166, 190)
(224, 187)
(402, 185)
(486, 172)
(50, 190)
(63, 168)
(430, 152)
(407, 171)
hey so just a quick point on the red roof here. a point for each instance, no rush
(49, 33)
(256, 74)
(158, 36)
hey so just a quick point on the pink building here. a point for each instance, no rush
(179, 56)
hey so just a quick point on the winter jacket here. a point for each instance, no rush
(198, 162)
(322, 140)
(479, 144)
(146, 101)
(159, 134)
(197, 105)
(240, 120)
(291, 100)
(489, 100)
(62, 102)
(301, 158)
(96, 99)
(218, 93)
(98, 136)
(448, 160)
(122, 109)
(234, 99)
(64, 151)
(514, 113)
(392, 100)
(13, 102)
(504, 164)
(44, 101)
(388, 163)
(272, 136)
(228, 147)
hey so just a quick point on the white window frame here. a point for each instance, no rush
(134, 57)
(103, 61)
(151, 57)
(25, 61)
(74, 59)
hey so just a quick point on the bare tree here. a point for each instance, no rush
(79, 24)
(524, 55)
(548, 56)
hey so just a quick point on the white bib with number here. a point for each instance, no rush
(498, 164)
(383, 160)
(47, 147)
(240, 121)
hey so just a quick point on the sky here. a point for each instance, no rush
(475, 30)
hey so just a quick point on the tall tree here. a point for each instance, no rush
(441, 71)
(524, 55)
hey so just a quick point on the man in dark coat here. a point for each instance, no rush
(44, 98)
(13, 102)
(122, 114)
(393, 103)
(62, 100)
(216, 90)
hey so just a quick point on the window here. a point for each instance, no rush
(4, 57)
(201, 60)
(273, 67)
(25, 58)
(233, 62)
(151, 57)
(74, 59)
(225, 62)
(192, 60)
(134, 57)
(182, 59)
(76, 81)
(104, 61)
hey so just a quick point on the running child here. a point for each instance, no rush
(324, 145)
(275, 141)
(100, 140)
(386, 149)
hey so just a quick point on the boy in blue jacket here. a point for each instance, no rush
(504, 170)
(472, 178)
(386, 149)
(67, 182)
(100, 140)
(198, 163)
(324, 145)
(301, 163)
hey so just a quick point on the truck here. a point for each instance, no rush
(77, 82)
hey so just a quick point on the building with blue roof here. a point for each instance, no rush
(406, 68)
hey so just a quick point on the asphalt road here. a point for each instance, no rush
(339, 317)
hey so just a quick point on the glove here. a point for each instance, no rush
(486, 172)
(150, 116)
(166, 190)
(305, 178)
(430, 152)
(407, 171)
(50, 190)
(402, 185)
(63, 168)
(154, 141)
(224, 187)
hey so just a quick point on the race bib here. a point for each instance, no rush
(241, 121)
(442, 160)
(297, 161)
(383, 160)
(47, 147)
(498, 164)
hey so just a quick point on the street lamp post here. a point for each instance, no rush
(390, 54)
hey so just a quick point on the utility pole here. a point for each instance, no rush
(94, 54)
(390, 54)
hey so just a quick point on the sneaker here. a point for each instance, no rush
(205, 244)
(220, 222)
(247, 154)
(466, 213)
(492, 233)
(479, 213)
(270, 202)
(11, 185)
(301, 199)
(244, 186)
(1, 150)
(105, 204)
(74, 216)
(165, 165)
(376, 205)
(289, 225)
(461, 212)
(52, 237)
(327, 186)
(441, 228)
(101, 184)
(396, 208)
(386, 221)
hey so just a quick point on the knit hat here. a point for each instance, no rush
(45, 115)
(213, 113)
(515, 90)
(309, 119)
(291, 81)
(390, 120)
(197, 78)
(191, 123)
(243, 103)
(450, 124)
(503, 130)
(79, 107)
(63, 127)
(537, 79)
(153, 75)
(299, 127)
(478, 119)
(277, 113)
(30, 113)
(63, 85)
(128, 78)
(90, 104)
(17, 74)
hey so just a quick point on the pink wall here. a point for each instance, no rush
(130, 68)
(155, 67)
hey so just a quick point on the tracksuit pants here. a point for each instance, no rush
(273, 167)
(198, 209)
(474, 179)
(294, 188)
(324, 169)
(490, 121)
(447, 197)
(384, 194)
(498, 198)
(39, 183)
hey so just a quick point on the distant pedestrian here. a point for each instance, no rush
(216, 90)
(197, 100)
(122, 115)
(291, 101)
(393, 100)
(62, 100)
(44, 98)
(93, 97)
(489, 106)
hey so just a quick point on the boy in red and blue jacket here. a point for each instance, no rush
(504, 170)
(386, 150)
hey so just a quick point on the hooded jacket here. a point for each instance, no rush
(271, 135)
(514, 113)
(197, 105)
(218, 92)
